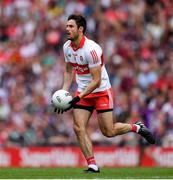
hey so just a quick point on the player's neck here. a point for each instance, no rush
(77, 41)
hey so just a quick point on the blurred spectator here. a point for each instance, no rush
(137, 38)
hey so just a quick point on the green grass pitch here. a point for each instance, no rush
(77, 173)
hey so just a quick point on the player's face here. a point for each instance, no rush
(72, 30)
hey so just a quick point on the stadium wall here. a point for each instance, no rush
(72, 157)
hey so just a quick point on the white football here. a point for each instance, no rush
(61, 99)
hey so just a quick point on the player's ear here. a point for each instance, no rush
(81, 28)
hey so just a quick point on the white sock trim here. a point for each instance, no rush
(138, 127)
(93, 166)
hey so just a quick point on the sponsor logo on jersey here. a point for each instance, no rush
(81, 69)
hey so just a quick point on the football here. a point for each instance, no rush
(61, 99)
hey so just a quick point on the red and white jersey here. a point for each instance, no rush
(87, 55)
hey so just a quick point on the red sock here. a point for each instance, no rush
(134, 128)
(91, 160)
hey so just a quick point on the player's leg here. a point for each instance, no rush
(110, 129)
(81, 119)
(104, 106)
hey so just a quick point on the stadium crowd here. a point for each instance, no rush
(137, 39)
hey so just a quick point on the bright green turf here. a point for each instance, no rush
(77, 173)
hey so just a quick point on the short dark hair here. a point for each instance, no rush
(80, 21)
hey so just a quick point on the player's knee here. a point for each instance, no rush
(78, 129)
(108, 134)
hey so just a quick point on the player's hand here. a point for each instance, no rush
(55, 109)
(75, 100)
(72, 103)
(59, 111)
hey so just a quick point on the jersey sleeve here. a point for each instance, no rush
(65, 52)
(94, 56)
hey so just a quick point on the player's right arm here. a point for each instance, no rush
(68, 73)
(68, 76)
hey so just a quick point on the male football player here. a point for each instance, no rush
(84, 59)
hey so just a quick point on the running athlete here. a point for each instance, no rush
(84, 58)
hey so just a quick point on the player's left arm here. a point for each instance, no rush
(94, 58)
(95, 83)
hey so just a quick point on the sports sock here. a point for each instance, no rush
(91, 160)
(135, 128)
(92, 163)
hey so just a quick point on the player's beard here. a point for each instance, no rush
(73, 39)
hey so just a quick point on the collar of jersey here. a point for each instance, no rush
(82, 41)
